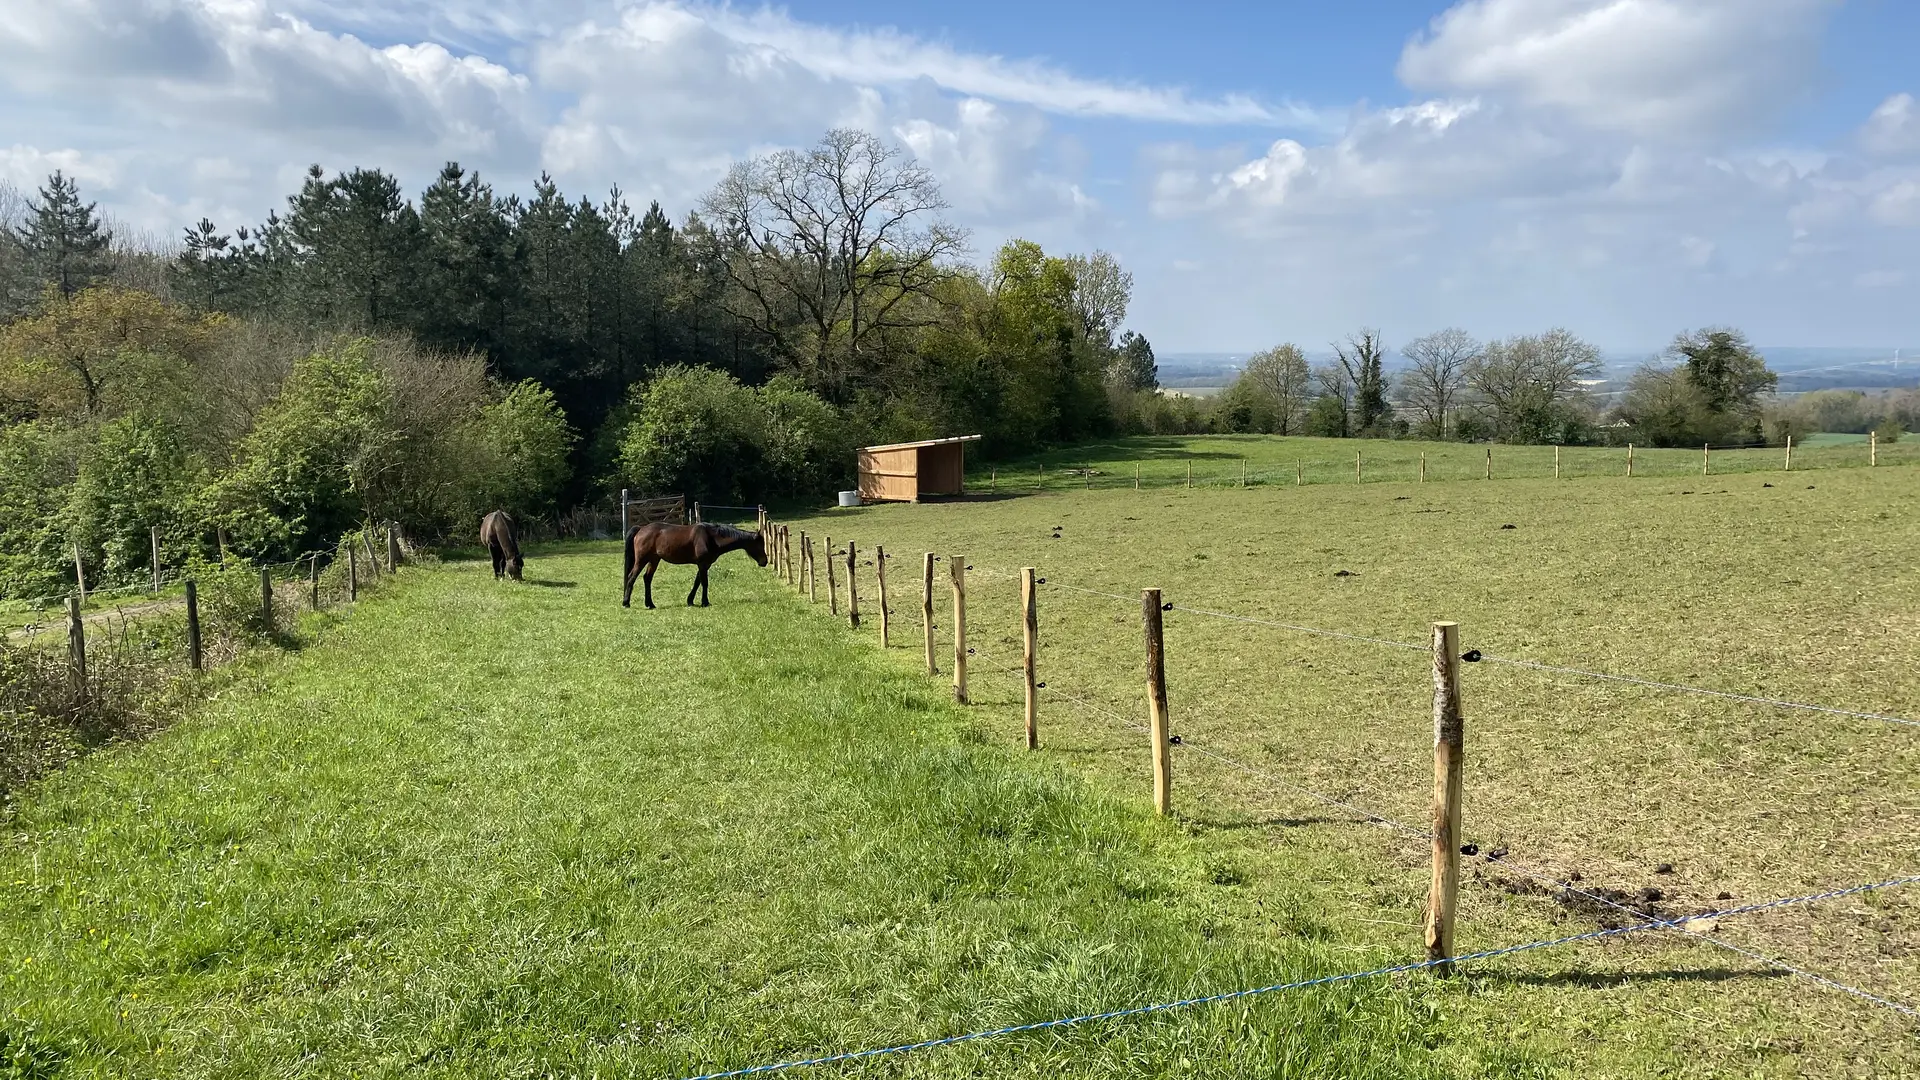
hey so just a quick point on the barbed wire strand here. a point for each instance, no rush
(1327, 980)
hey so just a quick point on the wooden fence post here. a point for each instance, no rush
(79, 572)
(1136, 478)
(373, 561)
(1243, 472)
(957, 570)
(1629, 459)
(1299, 473)
(833, 590)
(806, 568)
(1157, 702)
(1041, 482)
(393, 546)
(1706, 459)
(1449, 728)
(1029, 655)
(193, 626)
(1423, 466)
(1356, 468)
(993, 481)
(853, 590)
(1789, 453)
(1873, 448)
(266, 599)
(353, 574)
(886, 612)
(76, 649)
(1087, 475)
(313, 578)
(155, 535)
(1556, 461)
(696, 513)
(1489, 474)
(623, 514)
(220, 538)
(1189, 474)
(926, 612)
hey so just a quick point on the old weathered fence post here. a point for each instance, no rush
(1706, 459)
(1873, 448)
(993, 481)
(806, 567)
(886, 613)
(853, 590)
(266, 599)
(1356, 468)
(1030, 644)
(1449, 728)
(957, 570)
(353, 574)
(373, 560)
(696, 513)
(623, 513)
(1299, 473)
(79, 572)
(393, 546)
(1243, 472)
(1423, 466)
(926, 611)
(76, 649)
(1189, 474)
(155, 535)
(833, 592)
(313, 578)
(1789, 465)
(1489, 474)
(1157, 702)
(193, 626)
(1136, 478)
(1629, 459)
(1556, 461)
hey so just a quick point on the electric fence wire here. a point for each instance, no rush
(1327, 980)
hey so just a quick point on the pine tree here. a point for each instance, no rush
(1133, 364)
(469, 268)
(63, 240)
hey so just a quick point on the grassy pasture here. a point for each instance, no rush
(1801, 586)
(1218, 460)
(485, 829)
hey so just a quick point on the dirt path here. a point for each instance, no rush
(57, 622)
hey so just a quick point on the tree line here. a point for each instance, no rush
(1710, 386)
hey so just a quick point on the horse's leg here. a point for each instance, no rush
(704, 580)
(651, 564)
(626, 591)
(699, 575)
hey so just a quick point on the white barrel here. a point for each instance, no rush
(850, 498)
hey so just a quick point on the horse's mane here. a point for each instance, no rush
(732, 533)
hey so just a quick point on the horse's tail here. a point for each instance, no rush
(626, 555)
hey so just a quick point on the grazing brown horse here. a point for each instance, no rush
(650, 545)
(496, 532)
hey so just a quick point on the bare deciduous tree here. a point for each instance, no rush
(1433, 387)
(836, 244)
(1282, 376)
(1528, 383)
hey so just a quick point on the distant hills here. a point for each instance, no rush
(1801, 368)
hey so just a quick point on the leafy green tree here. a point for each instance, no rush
(525, 443)
(695, 432)
(1361, 360)
(1727, 369)
(137, 473)
(98, 352)
(63, 241)
(1134, 367)
(1668, 408)
(38, 463)
(1280, 385)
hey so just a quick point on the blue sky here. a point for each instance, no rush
(1268, 172)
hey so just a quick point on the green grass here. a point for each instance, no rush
(1794, 585)
(1268, 461)
(482, 829)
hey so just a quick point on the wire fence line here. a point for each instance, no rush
(1300, 984)
(1501, 858)
(1555, 669)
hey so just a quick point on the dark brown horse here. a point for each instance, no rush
(650, 545)
(496, 532)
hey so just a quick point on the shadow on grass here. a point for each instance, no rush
(544, 584)
(1235, 825)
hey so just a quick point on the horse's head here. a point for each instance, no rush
(513, 567)
(757, 547)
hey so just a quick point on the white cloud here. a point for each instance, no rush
(1651, 68)
(1894, 128)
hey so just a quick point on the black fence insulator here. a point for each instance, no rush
(1168, 606)
(1471, 656)
(1174, 739)
(1039, 686)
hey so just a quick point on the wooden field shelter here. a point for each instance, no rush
(906, 472)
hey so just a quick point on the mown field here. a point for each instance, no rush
(1800, 586)
(1268, 461)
